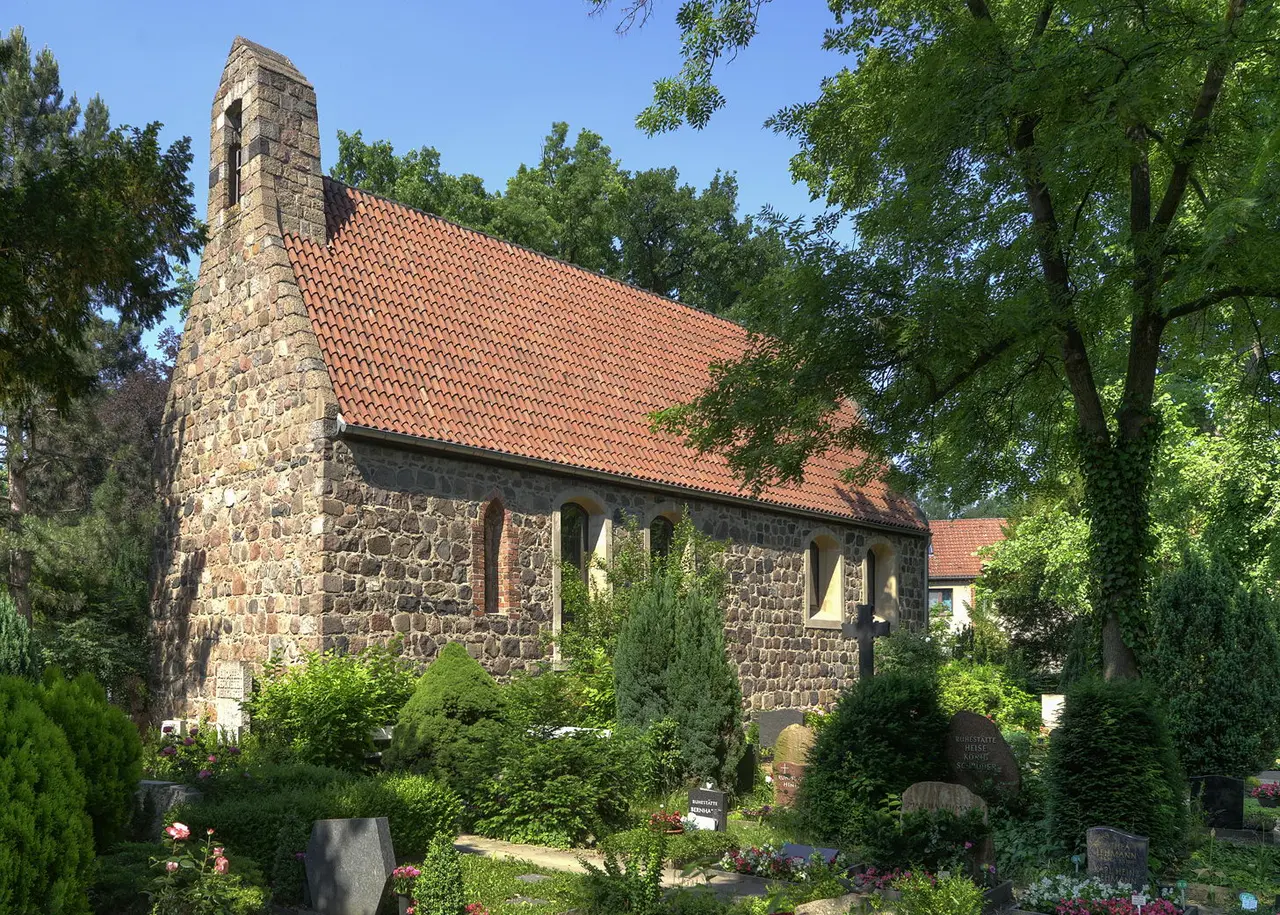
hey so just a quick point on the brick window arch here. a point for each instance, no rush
(494, 566)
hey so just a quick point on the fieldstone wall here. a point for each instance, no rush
(400, 556)
(237, 569)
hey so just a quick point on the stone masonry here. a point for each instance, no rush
(284, 531)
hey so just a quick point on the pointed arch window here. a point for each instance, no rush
(494, 520)
(661, 534)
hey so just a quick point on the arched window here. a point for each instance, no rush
(824, 582)
(581, 532)
(494, 516)
(881, 581)
(661, 533)
(869, 579)
(235, 154)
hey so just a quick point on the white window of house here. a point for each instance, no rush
(824, 582)
(941, 599)
(580, 547)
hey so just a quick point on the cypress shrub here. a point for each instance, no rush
(46, 838)
(646, 648)
(18, 655)
(703, 693)
(1112, 763)
(439, 890)
(106, 746)
(1218, 661)
(886, 733)
(452, 727)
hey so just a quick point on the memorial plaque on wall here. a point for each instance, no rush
(978, 755)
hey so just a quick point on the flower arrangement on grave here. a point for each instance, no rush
(757, 813)
(672, 822)
(760, 861)
(878, 880)
(195, 757)
(192, 878)
(402, 879)
(1074, 895)
(1267, 794)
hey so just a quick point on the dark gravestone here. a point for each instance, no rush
(978, 755)
(1117, 857)
(710, 807)
(865, 631)
(772, 723)
(348, 865)
(1221, 798)
(806, 852)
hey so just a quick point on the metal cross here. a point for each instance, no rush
(866, 630)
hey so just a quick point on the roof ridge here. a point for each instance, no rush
(541, 254)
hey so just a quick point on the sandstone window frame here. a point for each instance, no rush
(668, 512)
(598, 547)
(823, 565)
(880, 579)
(495, 560)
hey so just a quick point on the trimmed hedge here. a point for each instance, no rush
(451, 728)
(1112, 763)
(46, 838)
(416, 808)
(439, 890)
(107, 749)
(886, 733)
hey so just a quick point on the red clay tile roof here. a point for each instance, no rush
(443, 333)
(956, 542)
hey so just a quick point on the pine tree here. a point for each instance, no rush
(646, 648)
(18, 656)
(703, 690)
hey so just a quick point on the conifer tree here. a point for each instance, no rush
(646, 646)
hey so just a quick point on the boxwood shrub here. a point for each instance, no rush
(46, 838)
(106, 746)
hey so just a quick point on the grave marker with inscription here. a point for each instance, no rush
(709, 808)
(1117, 857)
(230, 688)
(978, 755)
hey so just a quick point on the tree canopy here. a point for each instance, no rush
(1054, 203)
(578, 204)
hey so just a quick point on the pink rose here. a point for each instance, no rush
(221, 865)
(212, 758)
(178, 832)
(218, 850)
(171, 866)
(209, 831)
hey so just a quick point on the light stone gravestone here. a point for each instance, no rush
(230, 687)
(349, 863)
(1051, 709)
(978, 754)
(1117, 857)
(774, 721)
(955, 799)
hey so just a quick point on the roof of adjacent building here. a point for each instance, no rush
(956, 543)
(445, 334)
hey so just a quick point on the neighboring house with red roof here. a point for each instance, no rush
(381, 423)
(954, 564)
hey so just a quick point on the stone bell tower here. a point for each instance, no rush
(244, 437)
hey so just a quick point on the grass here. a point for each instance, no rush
(492, 881)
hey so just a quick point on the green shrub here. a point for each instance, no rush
(46, 838)
(121, 879)
(324, 709)
(1217, 657)
(703, 691)
(886, 733)
(1111, 762)
(986, 689)
(439, 890)
(452, 727)
(106, 746)
(18, 654)
(956, 895)
(646, 650)
(696, 846)
(288, 870)
(417, 810)
(632, 885)
(564, 791)
(933, 840)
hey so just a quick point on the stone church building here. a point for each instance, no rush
(382, 423)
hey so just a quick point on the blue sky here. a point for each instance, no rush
(480, 81)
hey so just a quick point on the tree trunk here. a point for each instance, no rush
(1117, 486)
(19, 558)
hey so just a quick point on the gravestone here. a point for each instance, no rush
(790, 757)
(1222, 799)
(774, 721)
(866, 630)
(791, 850)
(709, 808)
(230, 687)
(348, 865)
(1051, 705)
(978, 755)
(1117, 857)
(955, 799)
